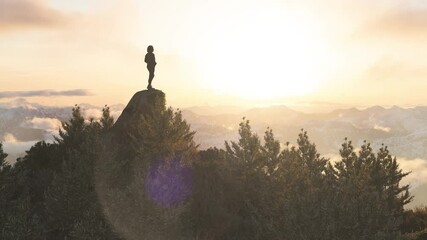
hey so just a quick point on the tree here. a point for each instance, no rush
(50, 192)
(4, 184)
(253, 164)
(370, 199)
(261, 192)
(300, 190)
(23, 192)
(414, 224)
(144, 173)
(145, 179)
(3, 164)
(107, 121)
(213, 212)
(72, 202)
(71, 133)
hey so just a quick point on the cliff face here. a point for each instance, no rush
(142, 102)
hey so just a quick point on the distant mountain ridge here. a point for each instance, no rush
(404, 130)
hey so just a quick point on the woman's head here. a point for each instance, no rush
(150, 49)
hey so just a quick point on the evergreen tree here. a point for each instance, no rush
(3, 164)
(72, 203)
(370, 198)
(216, 198)
(107, 120)
(145, 179)
(253, 165)
(414, 225)
(50, 192)
(145, 173)
(299, 189)
(4, 183)
(24, 191)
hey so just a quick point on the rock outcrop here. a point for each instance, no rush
(142, 102)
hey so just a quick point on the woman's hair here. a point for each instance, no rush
(150, 49)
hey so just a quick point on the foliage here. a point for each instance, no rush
(255, 190)
(50, 192)
(147, 180)
(414, 225)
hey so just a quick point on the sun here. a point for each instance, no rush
(267, 55)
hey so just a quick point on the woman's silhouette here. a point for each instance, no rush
(150, 59)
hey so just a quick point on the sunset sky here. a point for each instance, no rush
(215, 52)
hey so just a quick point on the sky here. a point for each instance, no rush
(215, 52)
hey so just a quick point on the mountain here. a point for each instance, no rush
(403, 130)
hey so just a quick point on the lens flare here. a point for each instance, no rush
(168, 183)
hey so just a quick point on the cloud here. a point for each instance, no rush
(44, 93)
(8, 137)
(15, 148)
(92, 113)
(28, 13)
(49, 124)
(19, 102)
(389, 69)
(418, 169)
(382, 128)
(399, 22)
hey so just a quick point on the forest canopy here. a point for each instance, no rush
(150, 181)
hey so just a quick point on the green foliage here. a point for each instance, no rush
(49, 193)
(255, 190)
(146, 180)
(23, 192)
(414, 224)
(141, 176)
(71, 133)
(371, 199)
(106, 121)
(71, 199)
(3, 164)
(302, 192)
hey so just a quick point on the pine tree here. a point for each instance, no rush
(72, 203)
(370, 199)
(145, 173)
(107, 120)
(300, 179)
(4, 184)
(252, 164)
(3, 164)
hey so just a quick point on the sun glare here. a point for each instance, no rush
(263, 54)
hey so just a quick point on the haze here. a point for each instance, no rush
(215, 52)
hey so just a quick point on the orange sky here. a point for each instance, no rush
(216, 52)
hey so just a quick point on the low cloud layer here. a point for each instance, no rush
(28, 13)
(51, 126)
(45, 123)
(404, 22)
(382, 128)
(44, 93)
(418, 169)
(15, 148)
